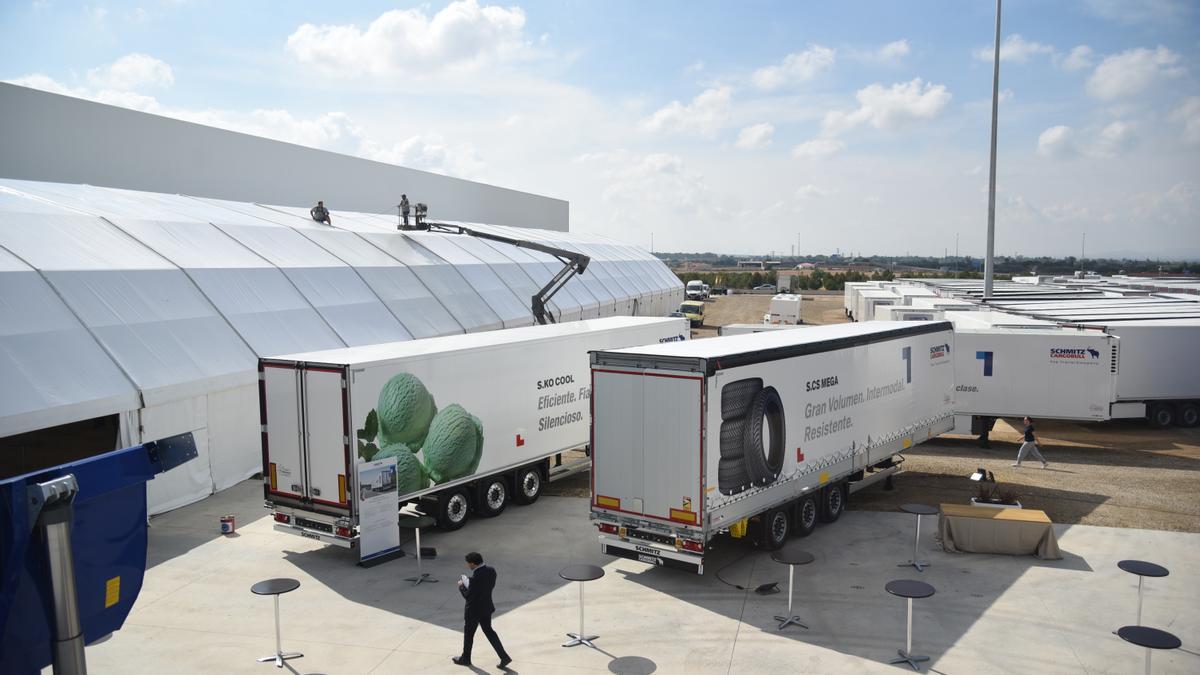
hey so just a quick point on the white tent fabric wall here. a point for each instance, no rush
(156, 307)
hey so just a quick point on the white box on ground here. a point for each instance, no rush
(784, 309)
(459, 414)
(692, 439)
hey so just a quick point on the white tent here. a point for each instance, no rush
(156, 307)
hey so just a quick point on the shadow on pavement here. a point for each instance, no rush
(178, 532)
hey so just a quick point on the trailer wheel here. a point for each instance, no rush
(1189, 415)
(492, 497)
(736, 397)
(529, 485)
(807, 512)
(833, 502)
(764, 461)
(1162, 415)
(454, 509)
(773, 529)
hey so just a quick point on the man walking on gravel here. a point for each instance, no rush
(1030, 445)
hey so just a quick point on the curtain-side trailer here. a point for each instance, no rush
(758, 435)
(472, 420)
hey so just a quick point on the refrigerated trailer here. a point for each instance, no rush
(1052, 373)
(1158, 376)
(472, 420)
(758, 435)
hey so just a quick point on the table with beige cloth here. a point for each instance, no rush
(981, 529)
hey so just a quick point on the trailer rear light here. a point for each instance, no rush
(343, 532)
(282, 518)
(608, 528)
(689, 545)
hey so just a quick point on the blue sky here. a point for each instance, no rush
(740, 127)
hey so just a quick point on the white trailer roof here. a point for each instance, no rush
(471, 341)
(716, 348)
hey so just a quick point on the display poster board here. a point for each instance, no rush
(378, 506)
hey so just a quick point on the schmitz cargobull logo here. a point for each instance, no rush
(938, 351)
(1073, 354)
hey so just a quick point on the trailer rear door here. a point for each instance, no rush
(327, 435)
(283, 436)
(647, 451)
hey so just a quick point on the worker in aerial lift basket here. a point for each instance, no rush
(320, 214)
(404, 211)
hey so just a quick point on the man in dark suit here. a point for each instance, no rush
(478, 613)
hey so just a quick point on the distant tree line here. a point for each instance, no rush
(1012, 265)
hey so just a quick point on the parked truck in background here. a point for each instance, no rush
(694, 290)
(757, 435)
(472, 420)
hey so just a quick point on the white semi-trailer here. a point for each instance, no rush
(472, 420)
(1044, 373)
(907, 313)
(1158, 376)
(756, 434)
(867, 300)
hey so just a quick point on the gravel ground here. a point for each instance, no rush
(1115, 474)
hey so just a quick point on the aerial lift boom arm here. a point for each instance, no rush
(573, 262)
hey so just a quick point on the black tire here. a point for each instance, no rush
(731, 476)
(492, 497)
(736, 397)
(733, 439)
(454, 509)
(833, 502)
(808, 512)
(763, 464)
(1189, 415)
(774, 526)
(1162, 415)
(529, 483)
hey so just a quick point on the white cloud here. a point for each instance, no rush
(1132, 72)
(132, 71)
(806, 192)
(462, 36)
(892, 51)
(694, 67)
(795, 67)
(755, 136)
(429, 153)
(818, 148)
(660, 179)
(1114, 139)
(975, 170)
(706, 114)
(1188, 114)
(891, 108)
(1006, 95)
(1079, 58)
(1057, 142)
(1014, 48)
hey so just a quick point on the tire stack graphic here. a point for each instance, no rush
(745, 407)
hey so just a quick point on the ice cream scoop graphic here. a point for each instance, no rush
(405, 410)
(454, 444)
(410, 475)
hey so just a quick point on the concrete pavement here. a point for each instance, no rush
(991, 614)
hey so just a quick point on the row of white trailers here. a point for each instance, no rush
(1077, 354)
